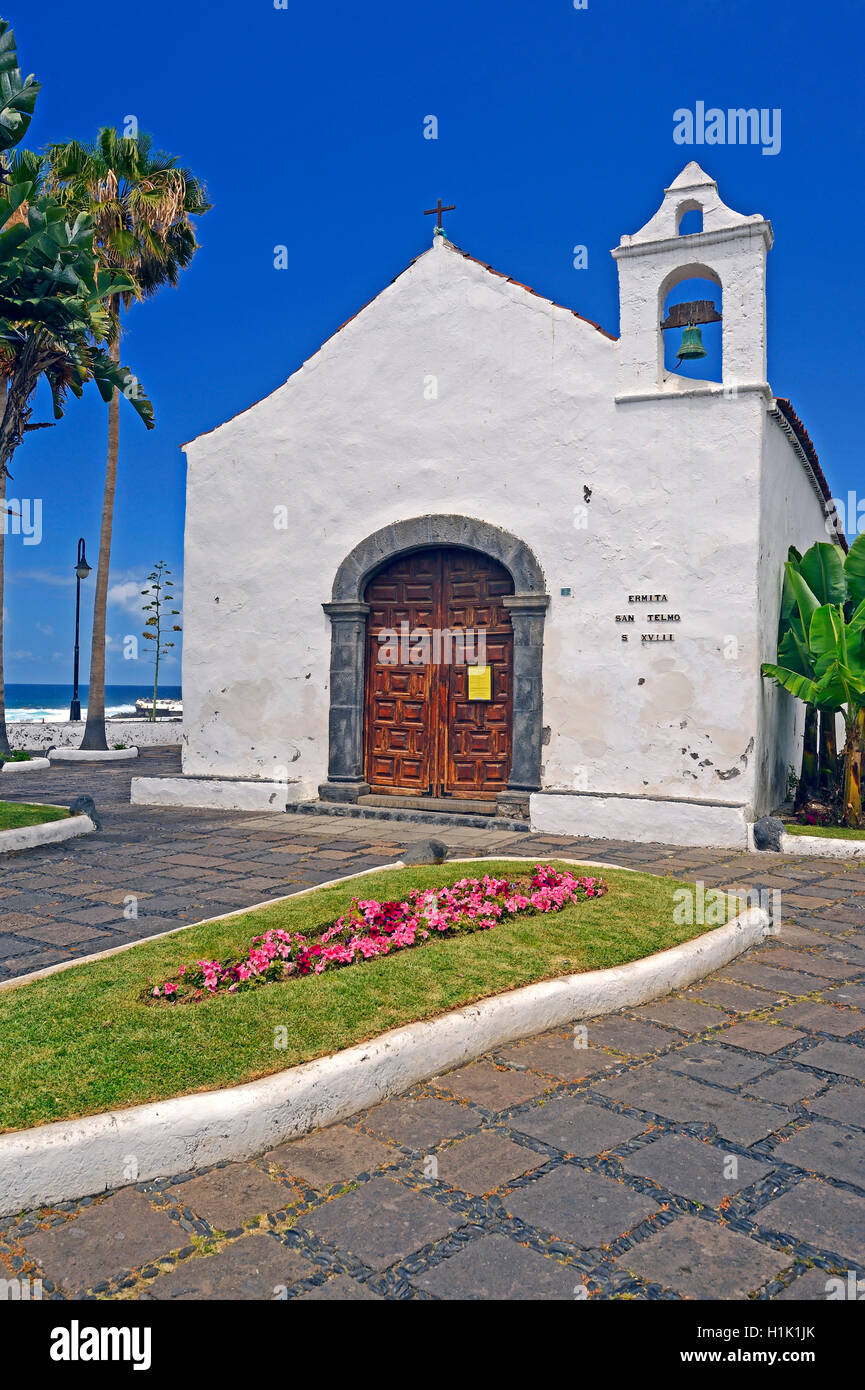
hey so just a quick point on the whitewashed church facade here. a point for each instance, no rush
(465, 454)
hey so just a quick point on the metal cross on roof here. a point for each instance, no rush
(438, 210)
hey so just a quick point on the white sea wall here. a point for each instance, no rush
(140, 733)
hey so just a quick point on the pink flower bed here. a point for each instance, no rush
(371, 929)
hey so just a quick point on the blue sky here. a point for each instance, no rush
(555, 129)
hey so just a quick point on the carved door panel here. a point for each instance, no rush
(424, 735)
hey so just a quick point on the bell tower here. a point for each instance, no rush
(728, 249)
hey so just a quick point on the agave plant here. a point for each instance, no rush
(821, 654)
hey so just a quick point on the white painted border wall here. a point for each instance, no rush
(75, 1158)
(38, 738)
(644, 820)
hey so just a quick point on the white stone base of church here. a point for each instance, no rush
(643, 820)
(214, 793)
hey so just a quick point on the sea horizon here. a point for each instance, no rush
(35, 703)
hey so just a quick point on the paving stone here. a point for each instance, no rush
(101, 1241)
(630, 1037)
(381, 1222)
(11, 946)
(740, 1120)
(805, 961)
(825, 1217)
(420, 1124)
(557, 1056)
(582, 1208)
(760, 1037)
(843, 1058)
(332, 1156)
(826, 1149)
(18, 922)
(342, 1289)
(765, 976)
(814, 1286)
(694, 1170)
(686, 1015)
(793, 935)
(494, 1267)
(846, 994)
(226, 1197)
(492, 1088)
(254, 1267)
(574, 1125)
(484, 1162)
(786, 1086)
(710, 1062)
(823, 1018)
(699, 1259)
(842, 1102)
(849, 950)
(739, 999)
(66, 934)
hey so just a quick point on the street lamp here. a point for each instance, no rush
(82, 569)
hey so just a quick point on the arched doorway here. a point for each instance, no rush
(348, 612)
(439, 675)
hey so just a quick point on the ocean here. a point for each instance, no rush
(49, 704)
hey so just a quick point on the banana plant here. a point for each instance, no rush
(17, 95)
(821, 649)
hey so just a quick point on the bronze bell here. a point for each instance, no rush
(691, 347)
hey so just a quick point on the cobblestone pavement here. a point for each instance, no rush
(708, 1146)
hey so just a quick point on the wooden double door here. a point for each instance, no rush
(426, 732)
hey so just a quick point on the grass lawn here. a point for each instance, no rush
(14, 814)
(827, 832)
(81, 1041)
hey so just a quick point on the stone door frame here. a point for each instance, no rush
(348, 612)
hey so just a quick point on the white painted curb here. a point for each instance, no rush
(32, 765)
(52, 832)
(823, 845)
(91, 755)
(76, 1158)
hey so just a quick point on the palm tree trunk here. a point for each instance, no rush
(828, 752)
(853, 770)
(94, 729)
(4, 737)
(808, 780)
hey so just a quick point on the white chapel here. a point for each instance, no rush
(478, 556)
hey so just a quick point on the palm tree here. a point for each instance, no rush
(141, 205)
(53, 320)
(17, 102)
(52, 295)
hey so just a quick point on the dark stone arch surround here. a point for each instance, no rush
(347, 612)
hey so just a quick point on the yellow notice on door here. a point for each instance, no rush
(480, 683)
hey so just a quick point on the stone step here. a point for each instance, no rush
(449, 805)
(351, 811)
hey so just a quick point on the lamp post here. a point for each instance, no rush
(82, 569)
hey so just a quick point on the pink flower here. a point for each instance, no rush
(370, 928)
